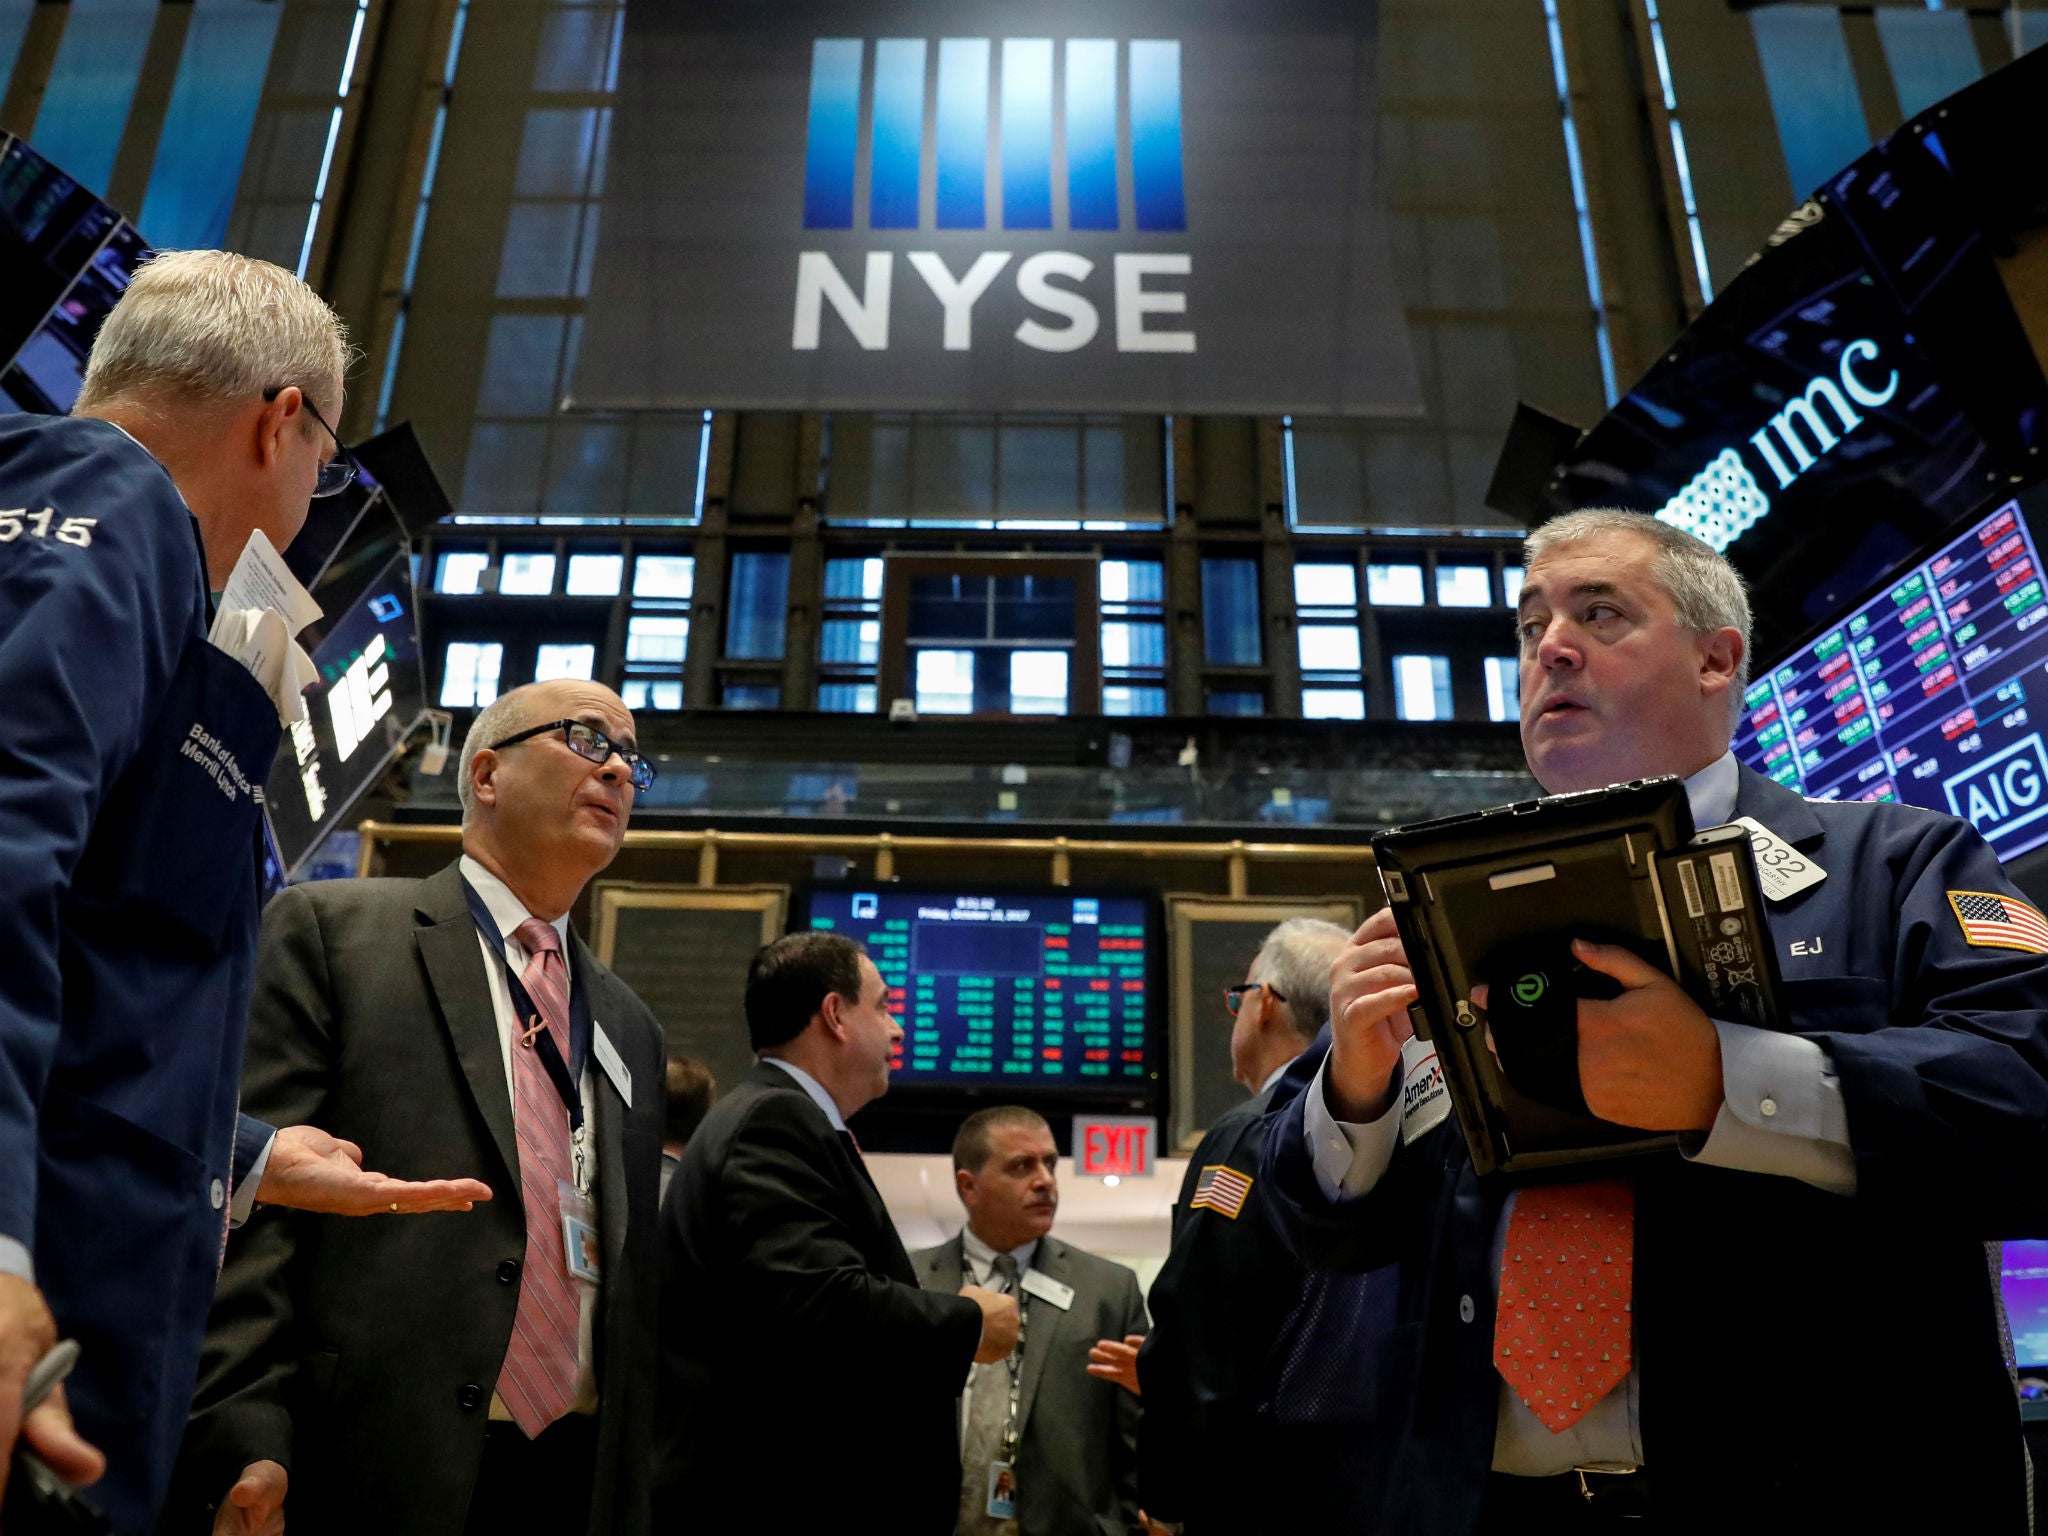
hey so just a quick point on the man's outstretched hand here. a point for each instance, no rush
(310, 1170)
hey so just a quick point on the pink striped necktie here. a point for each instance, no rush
(540, 1377)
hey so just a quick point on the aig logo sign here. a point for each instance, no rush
(2004, 792)
(1079, 136)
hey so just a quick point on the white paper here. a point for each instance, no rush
(261, 579)
(261, 609)
(1782, 869)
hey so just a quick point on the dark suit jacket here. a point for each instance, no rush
(804, 1374)
(1077, 1458)
(1812, 1363)
(362, 1353)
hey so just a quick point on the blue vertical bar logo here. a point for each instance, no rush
(1025, 133)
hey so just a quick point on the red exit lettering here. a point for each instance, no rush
(1119, 1150)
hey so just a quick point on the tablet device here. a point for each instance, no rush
(1497, 896)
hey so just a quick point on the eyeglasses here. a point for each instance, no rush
(1233, 997)
(339, 472)
(588, 741)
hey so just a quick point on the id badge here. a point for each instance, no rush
(579, 1233)
(1002, 1491)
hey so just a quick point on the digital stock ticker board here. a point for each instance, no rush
(1929, 692)
(1049, 990)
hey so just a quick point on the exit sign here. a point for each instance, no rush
(1121, 1145)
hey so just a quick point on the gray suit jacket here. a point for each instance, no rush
(1077, 1459)
(362, 1353)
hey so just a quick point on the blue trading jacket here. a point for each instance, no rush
(1811, 1362)
(131, 758)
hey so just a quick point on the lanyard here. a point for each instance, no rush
(1015, 1361)
(564, 1075)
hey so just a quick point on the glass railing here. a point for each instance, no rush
(1137, 796)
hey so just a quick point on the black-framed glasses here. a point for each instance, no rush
(588, 741)
(339, 472)
(1233, 997)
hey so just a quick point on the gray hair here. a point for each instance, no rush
(213, 326)
(1296, 959)
(506, 715)
(1706, 590)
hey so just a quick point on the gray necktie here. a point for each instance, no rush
(988, 1410)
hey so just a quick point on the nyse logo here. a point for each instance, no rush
(2004, 792)
(1108, 122)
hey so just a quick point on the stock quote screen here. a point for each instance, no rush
(1925, 693)
(1050, 988)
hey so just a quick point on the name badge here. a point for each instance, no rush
(608, 1057)
(1425, 1096)
(1782, 869)
(580, 1251)
(1047, 1289)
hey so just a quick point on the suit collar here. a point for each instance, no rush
(1046, 1323)
(1778, 808)
(448, 946)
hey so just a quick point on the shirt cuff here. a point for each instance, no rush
(15, 1259)
(1349, 1156)
(245, 1192)
(1781, 1112)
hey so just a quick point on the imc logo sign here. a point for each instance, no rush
(2004, 792)
(1033, 135)
(1722, 501)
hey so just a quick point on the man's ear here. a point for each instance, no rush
(963, 1184)
(482, 771)
(833, 1011)
(1721, 653)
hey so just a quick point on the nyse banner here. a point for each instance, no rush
(984, 206)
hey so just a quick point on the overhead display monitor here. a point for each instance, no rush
(1932, 690)
(959, 205)
(1038, 991)
(368, 696)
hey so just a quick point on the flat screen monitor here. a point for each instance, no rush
(1047, 991)
(1932, 689)
(50, 228)
(2026, 1301)
(368, 695)
(49, 370)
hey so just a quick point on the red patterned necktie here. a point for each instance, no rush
(540, 1377)
(1561, 1336)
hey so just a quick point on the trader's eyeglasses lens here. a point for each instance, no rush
(588, 741)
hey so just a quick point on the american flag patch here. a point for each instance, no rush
(1222, 1189)
(2000, 922)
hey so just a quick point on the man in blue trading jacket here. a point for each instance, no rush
(129, 759)
(1794, 1325)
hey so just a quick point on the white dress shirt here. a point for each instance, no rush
(508, 912)
(1781, 1114)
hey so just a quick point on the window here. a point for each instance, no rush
(666, 576)
(1328, 642)
(642, 694)
(469, 674)
(850, 636)
(1230, 613)
(1511, 586)
(1325, 586)
(847, 698)
(1333, 703)
(658, 641)
(1133, 596)
(658, 630)
(1503, 688)
(944, 682)
(752, 696)
(527, 576)
(1422, 687)
(1394, 586)
(757, 607)
(1234, 701)
(596, 575)
(553, 661)
(1038, 682)
(461, 573)
(1464, 586)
